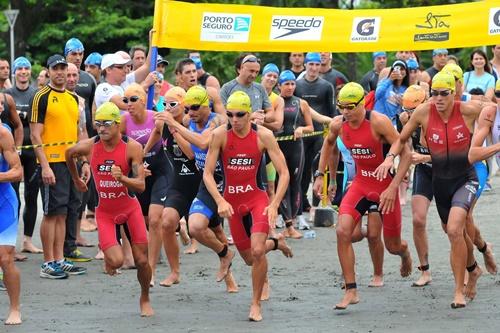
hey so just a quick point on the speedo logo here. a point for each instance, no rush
(241, 161)
(296, 27)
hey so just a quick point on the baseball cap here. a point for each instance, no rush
(378, 54)
(20, 62)
(239, 101)
(160, 60)
(176, 93)
(73, 44)
(55, 60)
(196, 95)
(112, 59)
(197, 62)
(413, 97)
(352, 92)
(443, 80)
(439, 51)
(286, 76)
(270, 68)
(95, 58)
(312, 57)
(108, 111)
(412, 63)
(454, 70)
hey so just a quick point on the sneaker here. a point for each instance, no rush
(68, 267)
(302, 224)
(280, 223)
(52, 271)
(77, 256)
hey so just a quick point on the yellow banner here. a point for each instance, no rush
(220, 27)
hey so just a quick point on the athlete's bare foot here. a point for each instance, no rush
(265, 291)
(88, 225)
(458, 301)
(255, 313)
(424, 280)
(146, 309)
(225, 264)
(110, 270)
(184, 233)
(377, 281)
(283, 246)
(14, 318)
(489, 259)
(290, 232)
(231, 285)
(350, 297)
(173, 278)
(152, 282)
(406, 264)
(28, 247)
(193, 248)
(470, 289)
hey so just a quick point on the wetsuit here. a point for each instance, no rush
(116, 205)
(156, 184)
(454, 180)
(244, 189)
(293, 150)
(368, 153)
(431, 71)
(28, 160)
(8, 208)
(422, 175)
(204, 203)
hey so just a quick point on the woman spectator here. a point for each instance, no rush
(479, 75)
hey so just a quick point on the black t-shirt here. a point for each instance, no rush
(22, 99)
(369, 81)
(319, 95)
(85, 88)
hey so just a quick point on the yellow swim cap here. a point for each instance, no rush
(413, 97)
(454, 70)
(497, 85)
(352, 92)
(239, 101)
(176, 93)
(443, 80)
(108, 111)
(196, 95)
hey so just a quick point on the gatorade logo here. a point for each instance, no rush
(494, 22)
(365, 29)
(225, 28)
(296, 27)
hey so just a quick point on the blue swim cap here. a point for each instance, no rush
(73, 44)
(412, 63)
(20, 62)
(197, 62)
(286, 76)
(270, 68)
(378, 54)
(94, 58)
(313, 57)
(439, 51)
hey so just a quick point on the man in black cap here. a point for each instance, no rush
(54, 119)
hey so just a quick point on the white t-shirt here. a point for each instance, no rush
(129, 79)
(105, 91)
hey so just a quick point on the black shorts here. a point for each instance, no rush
(57, 197)
(422, 181)
(154, 194)
(455, 192)
(180, 200)
(204, 204)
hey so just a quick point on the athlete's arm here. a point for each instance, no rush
(223, 207)
(217, 102)
(271, 146)
(8, 149)
(154, 136)
(318, 117)
(485, 122)
(325, 155)
(277, 123)
(213, 82)
(201, 140)
(142, 72)
(308, 128)
(118, 101)
(184, 145)
(36, 130)
(136, 182)
(15, 120)
(82, 148)
(123, 125)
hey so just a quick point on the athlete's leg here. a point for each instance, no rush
(480, 243)
(458, 255)
(31, 188)
(155, 235)
(345, 228)
(259, 272)
(11, 278)
(376, 246)
(113, 259)
(170, 221)
(140, 253)
(420, 207)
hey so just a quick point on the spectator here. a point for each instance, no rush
(370, 80)
(479, 75)
(439, 60)
(390, 90)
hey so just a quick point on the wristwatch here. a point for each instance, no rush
(317, 173)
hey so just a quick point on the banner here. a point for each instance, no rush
(220, 27)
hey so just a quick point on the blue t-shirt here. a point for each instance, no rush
(484, 82)
(387, 99)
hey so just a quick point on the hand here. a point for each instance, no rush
(395, 76)
(417, 158)
(298, 133)
(48, 176)
(147, 172)
(258, 117)
(166, 117)
(332, 189)
(272, 213)
(318, 186)
(116, 172)
(224, 209)
(383, 169)
(387, 199)
(85, 173)
(81, 184)
(150, 79)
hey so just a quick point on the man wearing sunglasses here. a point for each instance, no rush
(368, 136)
(117, 167)
(447, 125)
(244, 201)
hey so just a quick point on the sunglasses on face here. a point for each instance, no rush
(443, 93)
(497, 93)
(118, 66)
(131, 99)
(170, 105)
(240, 114)
(105, 123)
(410, 111)
(350, 106)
